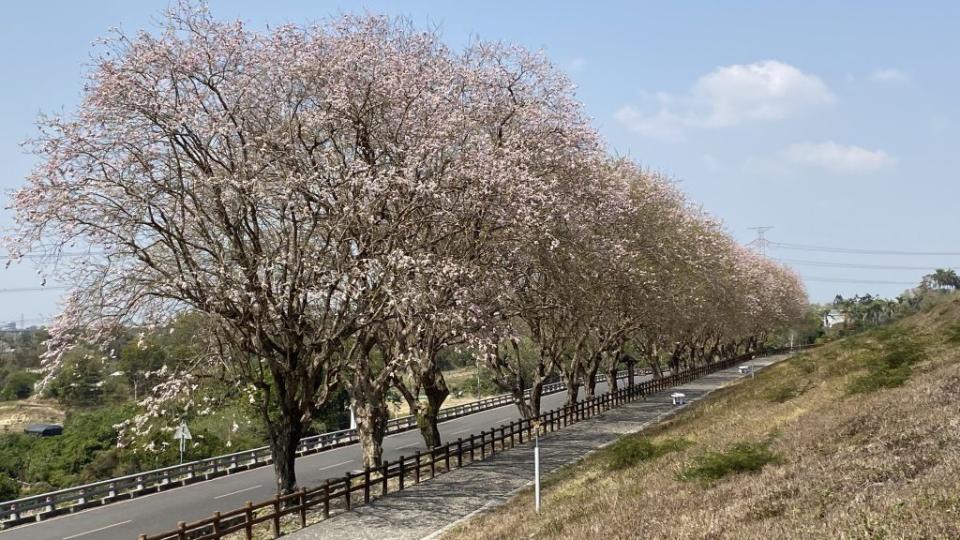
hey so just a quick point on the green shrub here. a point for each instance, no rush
(739, 458)
(18, 385)
(891, 366)
(953, 334)
(629, 451)
(878, 380)
(9, 488)
(784, 392)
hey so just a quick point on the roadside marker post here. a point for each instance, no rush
(536, 466)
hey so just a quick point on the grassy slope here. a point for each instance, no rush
(15, 415)
(853, 459)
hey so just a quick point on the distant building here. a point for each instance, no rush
(43, 430)
(833, 318)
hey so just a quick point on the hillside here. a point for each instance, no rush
(15, 415)
(855, 439)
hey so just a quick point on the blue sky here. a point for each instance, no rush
(837, 124)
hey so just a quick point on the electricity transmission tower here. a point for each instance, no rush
(760, 242)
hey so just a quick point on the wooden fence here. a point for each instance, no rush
(363, 485)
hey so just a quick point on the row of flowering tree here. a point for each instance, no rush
(337, 204)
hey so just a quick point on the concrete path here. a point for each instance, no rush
(430, 508)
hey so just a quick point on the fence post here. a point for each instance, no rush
(182, 530)
(383, 478)
(459, 452)
(346, 481)
(483, 445)
(326, 499)
(520, 430)
(366, 484)
(446, 456)
(403, 472)
(249, 520)
(303, 507)
(216, 525)
(472, 446)
(276, 516)
(433, 461)
(416, 474)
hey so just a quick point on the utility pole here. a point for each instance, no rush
(760, 242)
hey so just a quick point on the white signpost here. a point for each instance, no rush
(536, 466)
(182, 434)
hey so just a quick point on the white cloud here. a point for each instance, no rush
(888, 75)
(837, 158)
(728, 96)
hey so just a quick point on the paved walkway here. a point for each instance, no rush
(429, 508)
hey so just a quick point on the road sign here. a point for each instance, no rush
(182, 434)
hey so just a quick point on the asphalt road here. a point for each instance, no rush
(161, 511)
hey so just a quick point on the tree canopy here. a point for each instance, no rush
(337, 203)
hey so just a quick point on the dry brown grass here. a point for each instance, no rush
(455, 378)
(881, 464)
(15, 415)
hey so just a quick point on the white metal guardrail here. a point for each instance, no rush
(55, 503)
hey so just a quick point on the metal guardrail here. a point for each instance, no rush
(56, 503)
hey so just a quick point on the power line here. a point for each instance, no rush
(856, 251)
(33, 289)
(859, 281)
(865, 266)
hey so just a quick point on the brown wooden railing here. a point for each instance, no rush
(360, 486)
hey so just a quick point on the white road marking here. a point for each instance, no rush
(411, 445)
(237, 491)
(505, 420)
(97, 530)
(335, 465)
(461, 431)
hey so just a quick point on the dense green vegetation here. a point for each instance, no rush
(737, 458)
(99, 391)
(629, 451)
(889, 363)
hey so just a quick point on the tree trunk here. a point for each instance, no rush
(675, 359)
(528, 403)
(285, 433)
(431, 383)
(612, 384)
(435, 388)
(591, 381)
(371, 416)
(573, 387)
